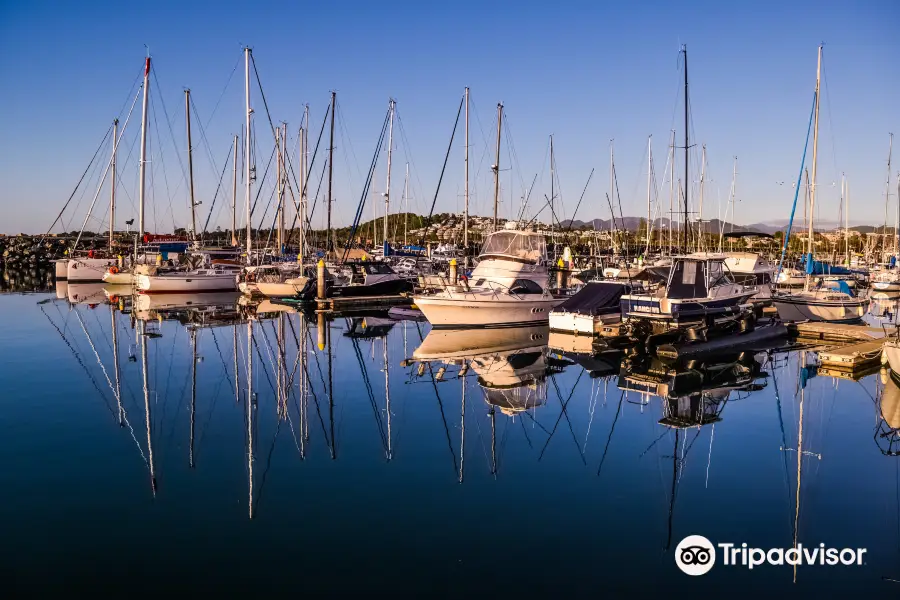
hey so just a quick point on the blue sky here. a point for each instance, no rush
(586, 72)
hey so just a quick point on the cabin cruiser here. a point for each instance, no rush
(697, 286)
(367, 278)
(752, 271)
(509, 286)
(594, 306)
(281, 280)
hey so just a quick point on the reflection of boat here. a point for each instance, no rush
(891, 350)
(887, 434)
(369, 327)
(449, 344)
(85, 293)
(175, 305)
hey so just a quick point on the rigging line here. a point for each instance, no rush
(559, 418)
(81, 363)
(521, 214)
(611, 430)
(310, 168)
(218, 187)
(312, 390)
(565, 412)
(265, 472)
(169, 125)
(407, 154)
(206, 144)
(443, 419)
(653, 443)
(260, 187)
(164, 174)
(446, 157)
(77, 185)
(577, 206)
(224, 89)
(525, 433)
(368, 385)
(215, 397)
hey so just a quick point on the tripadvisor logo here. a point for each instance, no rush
(696, 555)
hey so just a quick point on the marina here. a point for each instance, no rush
(407, 301)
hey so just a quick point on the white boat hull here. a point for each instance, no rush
(886, 286)
(88, 269)
(186, 283)
(464, 312)
(580, 324)
(61, 269)
(891, 355)
(120, 278)
(276, 289)
(795, 308)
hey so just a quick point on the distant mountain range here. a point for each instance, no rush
(715, 225)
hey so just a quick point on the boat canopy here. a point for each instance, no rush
(595, 298)
(523, 246)
(816, 267)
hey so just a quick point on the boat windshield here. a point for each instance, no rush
(522, 246)
(718, 275)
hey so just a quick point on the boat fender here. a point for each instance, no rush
(113, 270)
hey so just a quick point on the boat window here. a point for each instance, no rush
(686, 282)
(479, 283)
(516, 244)
(717, 274)
(525, 286)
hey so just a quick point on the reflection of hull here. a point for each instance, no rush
(886, 286)
(61, 270)
(114, 291)
(120, 278)
(892, 356)
(392, 287)
(817, 306)
(890, 402)
(174, 301)
(88, 269)
(186, 283)
(449, 344)
(468, 312)
(581, 324)
(62, 289)
(85, 293)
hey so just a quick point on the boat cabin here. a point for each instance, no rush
(694, 277)
(527, 247)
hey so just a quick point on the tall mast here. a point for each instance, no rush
(112, 185)
(187, 119)
(552, 194)
(143, 167)
(844, 203)
(731, 201)
(687, 182)
(700, 209)
(497, 163)
(466, 211)
(887, 192)
(250, 411)
(612, 190)
(301, 216)
(328, 242)
(279, 191)
(649, 163)
(387, 187)
(234, 240)
(247, 171)
(406, 206)
(671, 189)
(115, 343)
(812, 189)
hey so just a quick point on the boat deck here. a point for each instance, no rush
(852, 357)
(838, 332)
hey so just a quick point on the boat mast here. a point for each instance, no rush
(496, 167)
(112, 185)
(328, 240)
(301, 215)
(250, 412)
(552, 194)
(248, 172)
(234, 240)
(387, 397)
(700, 209)
(187, 119)
(812, 189)
(733, 192)
(387, 187)
(649, 163)
(687, 183)
(143, 166)
(150, 462)
(845, 202)
(672, 194)
(115, 343)
(279, 192)
(406, 205)
(887, 194)
(612, 193)
(466, 211)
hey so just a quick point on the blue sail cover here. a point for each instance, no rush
(816, 267)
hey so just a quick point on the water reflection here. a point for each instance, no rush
(277, 406)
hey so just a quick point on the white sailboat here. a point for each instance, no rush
(815, 303)
(888, 280)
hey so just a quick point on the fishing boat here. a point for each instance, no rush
(752, 271)
(814, 302)
(698, 286)
(509, 286)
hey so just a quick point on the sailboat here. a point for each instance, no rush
(888, 280)
(815, 303)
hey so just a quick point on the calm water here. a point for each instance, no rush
(357, 471)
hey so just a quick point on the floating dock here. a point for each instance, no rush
(853, 357)
(839, 332)
(362, 301)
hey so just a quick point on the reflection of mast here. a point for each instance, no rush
(282, 370)
(493, 416)
(462, 428)
(193, 393)
(115, 341)
(250, 413)
(672, 492)
(387, 397)
(330, 394)
(301, 348)
(143, 333)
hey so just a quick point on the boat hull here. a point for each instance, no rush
(88, 270)
(464, 313)
(61, 269)
(275, 289)
(886, 286)
(186, 284)
(892, 357)
(811, 309)
(121, 278)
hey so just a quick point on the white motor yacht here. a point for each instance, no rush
(752, 271)
(508, 287)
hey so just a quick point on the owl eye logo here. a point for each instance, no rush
(695, 555)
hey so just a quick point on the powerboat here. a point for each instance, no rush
(508, 287)
(698, 286)
(752, 271)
